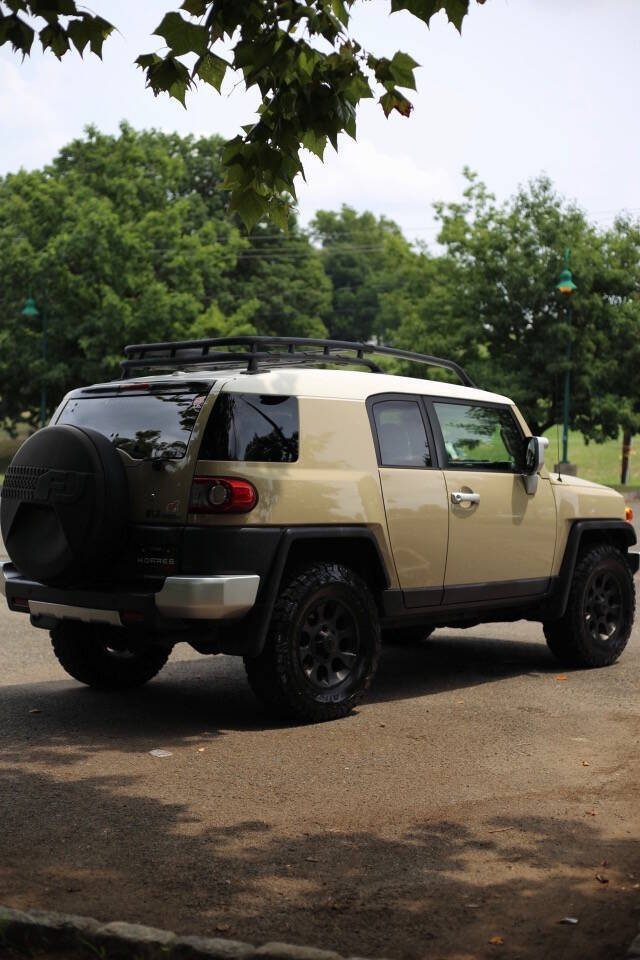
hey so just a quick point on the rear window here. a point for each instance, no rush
(253, 427)
(146, 426)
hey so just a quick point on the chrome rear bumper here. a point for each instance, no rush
(223, 597)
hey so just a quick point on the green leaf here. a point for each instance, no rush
(394, 100)
(170, 76)
(315, 143)
(19, 34)
(250, 206)
(100, 30)
(181, 36)
(211, 68)
(340, 11)
(456, 10)
(54, 38)
(80, 33)
(197, 8)
(401, 69)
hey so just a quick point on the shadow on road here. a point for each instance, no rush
(101, 846)
(208, 695)
(440, 890)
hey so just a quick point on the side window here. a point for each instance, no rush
(480, 438)
(401, 434)
(253, 427)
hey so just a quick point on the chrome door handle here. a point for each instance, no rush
(461, 497)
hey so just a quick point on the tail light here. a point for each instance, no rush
(628, 514)
(222, 495)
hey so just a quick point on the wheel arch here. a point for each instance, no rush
(583, 535)
(355, 547)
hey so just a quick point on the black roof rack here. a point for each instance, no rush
(293, 351)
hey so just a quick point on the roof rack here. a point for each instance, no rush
(293, 351)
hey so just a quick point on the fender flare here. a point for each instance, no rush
(248, 636)
(611, 529)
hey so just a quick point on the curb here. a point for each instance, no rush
(57, 932)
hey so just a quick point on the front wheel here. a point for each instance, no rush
(322, 647)
(597, 624)
(104, 657)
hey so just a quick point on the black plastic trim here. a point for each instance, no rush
(560, 597)
(496, 590)
(248, 636)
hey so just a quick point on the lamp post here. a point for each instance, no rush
(30, 311)
(565, 286)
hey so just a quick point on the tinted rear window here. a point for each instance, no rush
(249, 426)
(146, 426)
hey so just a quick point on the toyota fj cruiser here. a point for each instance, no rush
(249, 499)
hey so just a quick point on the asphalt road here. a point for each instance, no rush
(477, 794)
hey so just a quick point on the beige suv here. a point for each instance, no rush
(252, 498)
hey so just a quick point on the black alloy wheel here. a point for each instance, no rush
(328, 644)
(322, 647)
(603, 612)
(598, 620)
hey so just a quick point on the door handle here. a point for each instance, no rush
(461, 497)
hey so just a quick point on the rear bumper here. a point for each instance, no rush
(218, 598)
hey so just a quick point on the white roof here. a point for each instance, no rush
(311, 382)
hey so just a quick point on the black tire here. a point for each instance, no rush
(100, 657)
(406, 636)
(597, 624)
(322, 647)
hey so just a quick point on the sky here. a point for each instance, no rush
(531, 86)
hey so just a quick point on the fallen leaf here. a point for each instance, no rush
(604, 863)
(200, 749)
(312, 859)
(592, 813)
(585, 763)
(35, 711)
(570, 920)
(562, 676)
(496, 940)
(223, 927)
(160, 753)
(601, 879)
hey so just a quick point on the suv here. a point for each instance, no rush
(249, 499)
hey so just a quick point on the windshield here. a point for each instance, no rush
(146, 426)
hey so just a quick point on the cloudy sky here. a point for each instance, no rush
(531, 86)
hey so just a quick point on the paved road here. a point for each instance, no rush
(475, 795)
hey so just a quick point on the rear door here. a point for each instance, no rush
(501, 540)
(415, 496)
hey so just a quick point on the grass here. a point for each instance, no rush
(599, 462)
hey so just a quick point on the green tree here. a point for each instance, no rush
(515, 326)
(311, 73)
(127, 239)
(361, 256)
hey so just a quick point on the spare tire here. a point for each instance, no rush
(64, 505)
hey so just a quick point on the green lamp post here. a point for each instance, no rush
(565, 287)
(30, 311)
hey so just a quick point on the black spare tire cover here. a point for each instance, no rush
(64, 505)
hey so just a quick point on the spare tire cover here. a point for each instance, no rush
(64, 505)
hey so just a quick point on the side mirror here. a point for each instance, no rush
(533, 462)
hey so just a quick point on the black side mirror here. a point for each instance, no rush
(533, 462)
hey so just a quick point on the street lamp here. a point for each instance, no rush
(30, 311)
(565, 286)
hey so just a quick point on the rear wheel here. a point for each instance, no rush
(322, 648)
(107, 658)
(597, 624)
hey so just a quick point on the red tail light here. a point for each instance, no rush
(222, 495)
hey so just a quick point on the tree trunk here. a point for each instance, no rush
(626, 455)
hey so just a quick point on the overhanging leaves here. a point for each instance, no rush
(310, 72)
